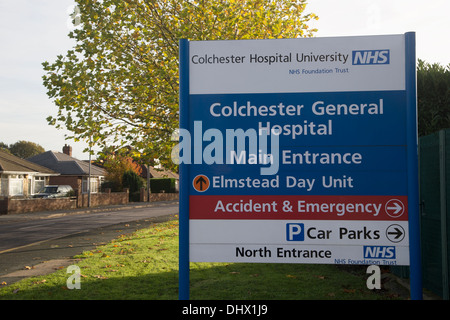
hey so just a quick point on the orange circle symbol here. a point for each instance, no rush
(201, 183)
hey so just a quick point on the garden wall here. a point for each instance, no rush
(10, 205)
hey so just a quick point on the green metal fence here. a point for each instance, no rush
(434, 179)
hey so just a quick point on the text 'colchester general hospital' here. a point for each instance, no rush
(260, 143)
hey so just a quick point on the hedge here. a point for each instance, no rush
(159, 185)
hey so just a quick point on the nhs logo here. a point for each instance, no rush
(365, 57)
(295, 232)
(379, 252)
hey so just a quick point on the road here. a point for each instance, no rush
(25, 243)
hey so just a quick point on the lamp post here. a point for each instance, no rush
(148, 182)
(89, 177)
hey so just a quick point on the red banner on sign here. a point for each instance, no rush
(299, 207)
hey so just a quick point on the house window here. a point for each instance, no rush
(4, 185)
(94, 184)
(39, 184)
(16, 185)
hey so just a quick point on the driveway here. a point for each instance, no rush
(39, 243)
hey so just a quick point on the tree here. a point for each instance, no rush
(4, 147)
(433, 92)
(116, 164)
(25, 149)
(119, 84)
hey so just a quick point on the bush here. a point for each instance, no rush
(159, 185)
(132, 181)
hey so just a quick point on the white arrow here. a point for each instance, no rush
(397, 208)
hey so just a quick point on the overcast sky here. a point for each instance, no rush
(33, 31)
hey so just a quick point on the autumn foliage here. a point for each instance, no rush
(119, 84)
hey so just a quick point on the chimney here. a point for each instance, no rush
(67, 150)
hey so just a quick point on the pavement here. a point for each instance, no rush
(48, 255)
(21, 217)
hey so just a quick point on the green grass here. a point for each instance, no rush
(144, 265)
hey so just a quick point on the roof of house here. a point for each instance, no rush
(65, 164)
(10, 163)
(162, 173)
(159, 173)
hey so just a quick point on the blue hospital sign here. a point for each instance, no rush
(298, 150)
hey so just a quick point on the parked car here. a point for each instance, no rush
(54, 192)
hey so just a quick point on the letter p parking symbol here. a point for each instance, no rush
(295, 232)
